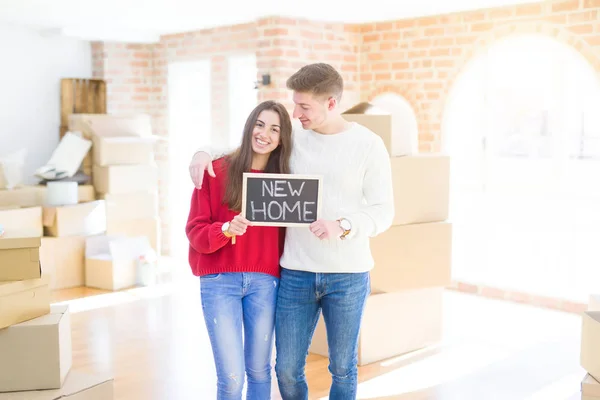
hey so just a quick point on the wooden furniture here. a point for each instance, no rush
(81, 96)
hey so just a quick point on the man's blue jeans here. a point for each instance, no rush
(302, 295)
(228, 301)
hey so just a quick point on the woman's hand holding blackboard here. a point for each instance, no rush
(238, 225)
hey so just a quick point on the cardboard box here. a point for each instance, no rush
(36, 354)
(23, 196)
(111, 125)
(393, 324)
(63, 260)
(80, 219)
(86, 194)
(147, 227)
(111, 262)
(421, 188)
(412, 257)
(125, 178)
(22, 222)
(19, 258)
(590, 387)
(127, 206)
(78, 386)
(125, 150)
(373, 118)
(21, 301)
(590, 343)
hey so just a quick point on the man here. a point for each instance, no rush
(326, 267)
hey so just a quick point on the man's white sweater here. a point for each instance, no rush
(357, 185)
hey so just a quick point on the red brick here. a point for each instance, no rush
(559, 19)
(381, 66)
(384, 26)
(374, 56)
(466, 40)
(433, 86)
(443, 42)
(482, 27)
(405, 23)
(434, 31)
(501, 13)
(591, 3)
(427, 21)
(371, 37)
(383, 76)
(583, 16)
(421, 43)
(569, 5)
(582, 29)
(391, 35)
(275, 32)
(400, 65)
(385, 46)
(323, 46)
(473, 17)
(529, 10)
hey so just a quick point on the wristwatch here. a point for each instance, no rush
(346, 227)
(225, 230)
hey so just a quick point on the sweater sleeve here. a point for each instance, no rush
(377, 214)
(204, 235)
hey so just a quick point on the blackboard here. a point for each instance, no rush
(281, 199)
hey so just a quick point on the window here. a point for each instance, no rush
(243, 96)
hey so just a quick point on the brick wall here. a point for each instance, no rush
(420, 58)
(417, 58)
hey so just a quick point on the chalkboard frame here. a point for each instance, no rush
(258, 175)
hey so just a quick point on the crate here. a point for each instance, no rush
(81, 96)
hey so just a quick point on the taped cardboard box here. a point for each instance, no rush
(78, 386)
(19, 258)
(590, 387)
(21, 222)
(21, 301)
(63, 260)
(125, 150)
(421, 188)
(128, 206)
(393, 324)
(125, 178)
(73, 220)
(36, 354)
(590, 343)
(412, 257)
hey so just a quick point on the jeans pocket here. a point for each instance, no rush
(210, 277)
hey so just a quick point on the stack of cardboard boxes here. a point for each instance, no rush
(590, 350)
(35, 337)
(412, 258)
(125, 176)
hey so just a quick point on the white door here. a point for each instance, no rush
(189, 99)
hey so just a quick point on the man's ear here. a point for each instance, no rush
(331, 103)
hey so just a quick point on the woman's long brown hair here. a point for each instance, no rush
(240, 160)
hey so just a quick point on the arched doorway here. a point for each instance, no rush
(523, 131)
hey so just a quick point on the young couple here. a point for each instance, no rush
(269, 280)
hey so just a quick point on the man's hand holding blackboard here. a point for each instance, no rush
(326, 229)
(238, 225)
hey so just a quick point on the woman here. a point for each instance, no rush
(239, 279)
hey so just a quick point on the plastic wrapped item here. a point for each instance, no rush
(11, 169)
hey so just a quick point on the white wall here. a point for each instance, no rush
(31, 68)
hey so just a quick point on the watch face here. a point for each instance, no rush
(345, 224)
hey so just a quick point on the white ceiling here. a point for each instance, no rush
(146, 20)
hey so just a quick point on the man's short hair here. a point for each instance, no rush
(320, 79)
